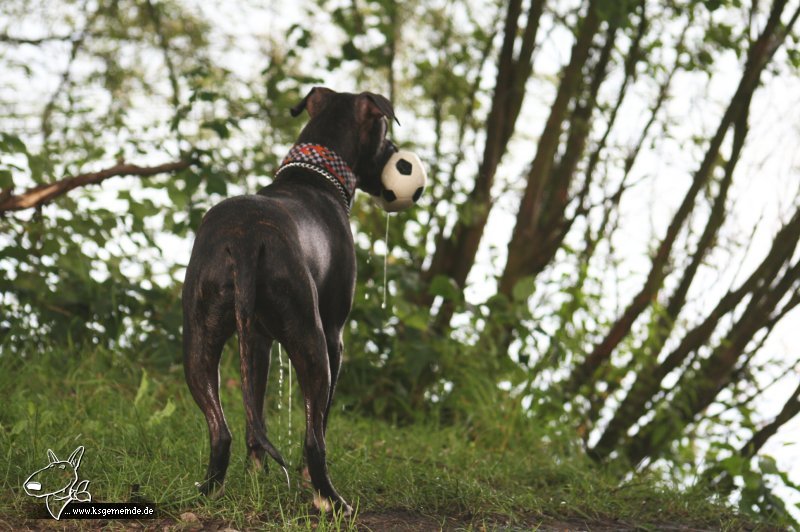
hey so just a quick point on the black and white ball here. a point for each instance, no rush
(403, 179)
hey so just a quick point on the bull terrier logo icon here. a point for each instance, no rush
(58, 483)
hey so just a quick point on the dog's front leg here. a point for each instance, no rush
(309, 355)
(333, 339)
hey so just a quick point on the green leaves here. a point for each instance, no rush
(11, 144)
(616, 12)
(219, 126)
(445, 287)
(215, 184)
(6, 179)
(143, 390)
(524, 289)
(144, 398)
(160, 415)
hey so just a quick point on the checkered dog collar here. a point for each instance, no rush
(326, 163)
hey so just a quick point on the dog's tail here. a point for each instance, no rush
(245, 267)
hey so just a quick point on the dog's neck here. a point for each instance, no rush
(326, 163)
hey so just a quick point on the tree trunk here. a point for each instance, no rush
(521, 248)
(455, 255)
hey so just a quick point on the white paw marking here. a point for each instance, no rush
(322, 503)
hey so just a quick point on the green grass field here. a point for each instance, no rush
(140, 426)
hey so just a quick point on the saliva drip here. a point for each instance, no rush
(385, 260)
(280, 399)
(280, 380)
(280, 390)
(289, 407)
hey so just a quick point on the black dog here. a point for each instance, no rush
(280, 265)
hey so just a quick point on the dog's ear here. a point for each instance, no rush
(314, 101)
(371, 105)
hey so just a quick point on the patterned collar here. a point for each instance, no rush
(326, 163)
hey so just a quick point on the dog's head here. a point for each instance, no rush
(352, 125)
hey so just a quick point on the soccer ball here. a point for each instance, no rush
(403, 180)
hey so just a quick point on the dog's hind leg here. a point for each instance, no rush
(201, 354)
(256, 364)
(254, 367)
(333, 339)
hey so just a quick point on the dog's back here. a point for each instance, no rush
(290, 242)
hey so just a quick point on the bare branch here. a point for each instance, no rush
(77, 44)
(522, 247)
(163, 42)
(790, 409)
(9, 39)
(436, 228)
(42, 194)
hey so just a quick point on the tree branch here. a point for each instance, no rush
(438, 221)
(790, 409)
(695, 391)
(9, 39)
(648, 381)
(163, 43)
(42, 194)
(77, 45)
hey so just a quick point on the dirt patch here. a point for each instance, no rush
(371, 521)
(401, 520)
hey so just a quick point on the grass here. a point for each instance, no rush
(140, 426)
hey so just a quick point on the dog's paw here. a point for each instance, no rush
(325, 505)
(256, 462)
(212, 490)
